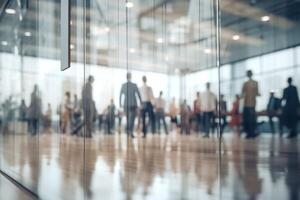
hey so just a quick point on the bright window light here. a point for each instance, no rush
(207, 51)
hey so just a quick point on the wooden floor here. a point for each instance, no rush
(159, 167)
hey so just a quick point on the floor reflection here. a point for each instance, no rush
(159, 167)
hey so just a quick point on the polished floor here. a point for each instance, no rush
(159, 167)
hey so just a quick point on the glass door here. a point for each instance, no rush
(42, 134)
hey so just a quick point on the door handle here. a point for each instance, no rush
(65, 34)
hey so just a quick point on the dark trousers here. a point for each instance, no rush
(110, 122)
(249, 121)
(198, 122)
(160, 116)
(130, 118)
(148, 109)
(207, 122)
(290, 121)
(223, 123)
(272, 126)
(33, 126)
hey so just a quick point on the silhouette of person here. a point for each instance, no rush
(88, 105)
(249, 93)
(147, 106)
(131, 95)
(272, 111)
(290, 109)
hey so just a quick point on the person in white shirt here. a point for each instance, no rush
(208, 107)
(147, 106)
(160, 105)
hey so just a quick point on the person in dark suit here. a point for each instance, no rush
(273, 109)
(290, 109)
(131, 95)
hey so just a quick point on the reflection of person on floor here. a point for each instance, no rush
(88, 105)
(197, 112)
(129, 103)
(111, 116)
(249, 93)
(147, 106)
(223, 112)
(35, 111)
(160, 105)
(208, 107)
(185, 112)
(273, 108)
(235, 121)
(173, 112)
(292, 169)
(291, 107)
(66, 113)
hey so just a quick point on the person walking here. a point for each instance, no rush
(147, 106)
(160, 105)
(290, 110)
(249, 93)
(208, 106)
(129, 98)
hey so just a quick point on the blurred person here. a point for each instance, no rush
(185, 112)
(76, 114)
(197, 112)
(160, 105)
(249, 93)
(111, 116)
(131, 95)
(290, 110)
(88, 105)
(23, 111)
(34, 110)
(173, 112)
(235, 114)
(48, 118)
(208, 107)
(66, 113)
(147, 106)
(273, 108)
(223, 113)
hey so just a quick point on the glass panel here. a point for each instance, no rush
(142, 144)
(260, 36)
(37, 142)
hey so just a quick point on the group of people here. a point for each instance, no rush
(151, 112)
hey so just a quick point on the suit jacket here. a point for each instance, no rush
(131, 93)
(291, 98)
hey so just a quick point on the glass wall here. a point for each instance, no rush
(74, 134)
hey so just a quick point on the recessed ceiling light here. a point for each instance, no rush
(236, 37)
(106, 29)
(129, 4)
(10, 11)
(160, 40)
(132, 50)
(207, 51)
(167, 58)
(72, 46)
(27, 34)
(265, 18)
(4, 43)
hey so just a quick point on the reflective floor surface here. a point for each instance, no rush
(158, 167)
